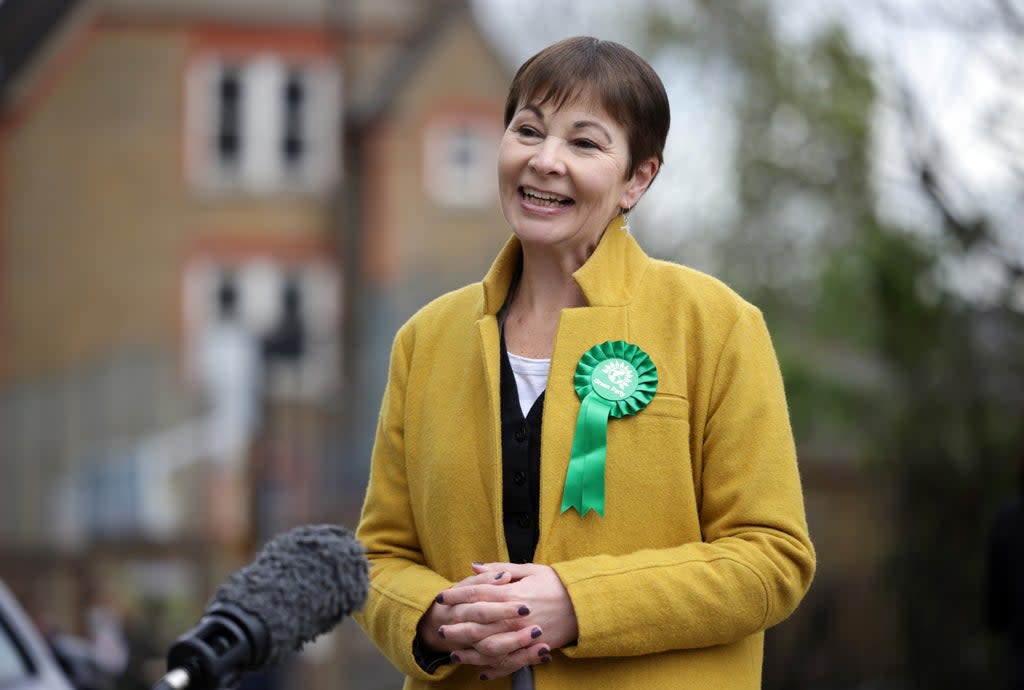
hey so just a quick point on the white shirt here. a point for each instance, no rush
(531, 379)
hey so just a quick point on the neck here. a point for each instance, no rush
(532, 318)
(546, 287)
(546, 284)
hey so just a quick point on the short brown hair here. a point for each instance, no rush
(624, 84)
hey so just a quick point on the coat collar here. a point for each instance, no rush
(609, 278)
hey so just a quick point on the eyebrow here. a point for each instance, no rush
(584, 124)
(578, 124)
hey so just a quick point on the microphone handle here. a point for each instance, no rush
(177, 679)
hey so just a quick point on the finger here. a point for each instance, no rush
(468, 635)
(471, 657)
(489, 612)
(517, 571)
(489, 577)
(471, 634)
(471, 594)
(486, 567)
(505, 643)
(531, 656)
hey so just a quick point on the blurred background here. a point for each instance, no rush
(214, 214)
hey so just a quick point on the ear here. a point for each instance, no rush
(638, 183)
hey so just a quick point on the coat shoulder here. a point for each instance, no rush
(694, 293)
(444, 314)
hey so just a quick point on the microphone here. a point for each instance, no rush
(301, 585)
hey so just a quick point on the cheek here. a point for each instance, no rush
(606, 182)
(506, 165)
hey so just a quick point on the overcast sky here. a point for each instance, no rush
(950, 71)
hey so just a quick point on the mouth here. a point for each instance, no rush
(545, 199)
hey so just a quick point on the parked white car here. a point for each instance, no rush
(26, 661)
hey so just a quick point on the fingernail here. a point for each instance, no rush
(483, 676)
(456, 658)
(478, 563)
(535, 633)
(524, 611)
(545, 660)
(439, 598)
(499, 575)
(544, 652)
(440, 632)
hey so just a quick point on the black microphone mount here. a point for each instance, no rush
(224, 643)
(300, 586)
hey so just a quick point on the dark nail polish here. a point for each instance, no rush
(484, 677)
(535, 633)
(439, 598)
(456, 658)
(545, 660)
(440, 632)
(524, 611)
(499, 575)
(544, 652)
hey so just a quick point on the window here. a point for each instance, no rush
(294, 143)
(288, 312)
(460, 161)
(229, 124)
(263, 124)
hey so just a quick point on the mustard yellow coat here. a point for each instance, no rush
(704, 542)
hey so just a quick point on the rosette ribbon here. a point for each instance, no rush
(613, 379)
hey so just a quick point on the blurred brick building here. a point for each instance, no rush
(213, 216)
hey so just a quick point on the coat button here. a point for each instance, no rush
(524, 519)
(519, 477)
(521, 434)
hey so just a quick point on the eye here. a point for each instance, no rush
(585, 144)
(527, 131)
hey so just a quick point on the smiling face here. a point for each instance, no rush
(562, 174)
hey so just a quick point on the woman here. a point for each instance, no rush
(584, 471)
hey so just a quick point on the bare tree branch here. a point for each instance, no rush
(963, 16)
(969, 217)
(1012, 16)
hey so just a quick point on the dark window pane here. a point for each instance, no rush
(293, 144)
(229, 111)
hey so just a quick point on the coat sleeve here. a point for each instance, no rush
(402, 587)
(755, 560)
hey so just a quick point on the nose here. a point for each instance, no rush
(547, 159)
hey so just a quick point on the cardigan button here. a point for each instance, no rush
(519, 477)
(521, 433)
(524, 519)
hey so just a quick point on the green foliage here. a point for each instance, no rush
(881, 361)
(822, 406)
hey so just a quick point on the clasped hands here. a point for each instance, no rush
(503, 617)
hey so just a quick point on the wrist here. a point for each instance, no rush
(427, 658)
(427, 632)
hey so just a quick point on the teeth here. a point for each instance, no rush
(545, 196)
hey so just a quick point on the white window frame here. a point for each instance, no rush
(258, 280)
(448, 183)
(262, 166)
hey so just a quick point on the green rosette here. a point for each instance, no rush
(613, 379)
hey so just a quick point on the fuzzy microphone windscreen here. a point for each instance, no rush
(301, 585)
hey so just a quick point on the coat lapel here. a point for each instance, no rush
(496, 285)
(490, 348)
(609, 280)
(578, 331)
